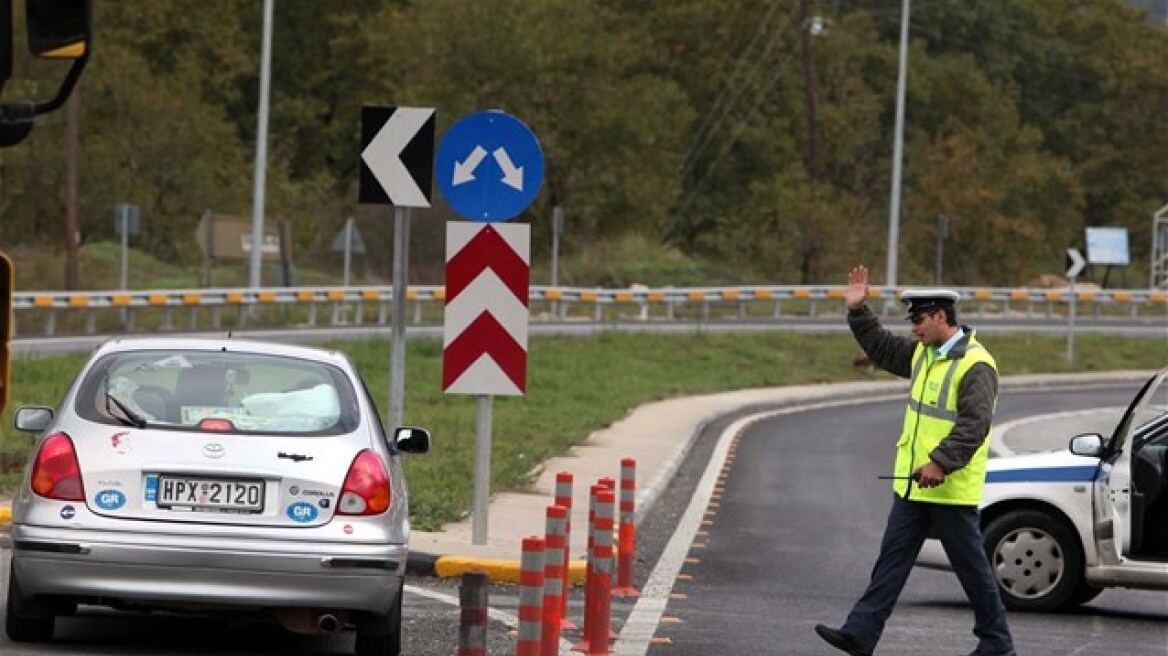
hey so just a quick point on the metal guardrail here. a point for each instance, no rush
(81, 312)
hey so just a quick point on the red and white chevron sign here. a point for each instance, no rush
(484, 346)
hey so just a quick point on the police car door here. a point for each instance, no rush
(1113, 486)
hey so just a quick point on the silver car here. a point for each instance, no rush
(214, 476)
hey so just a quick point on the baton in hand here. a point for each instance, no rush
(915, 477)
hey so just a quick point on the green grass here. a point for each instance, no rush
(579, 385)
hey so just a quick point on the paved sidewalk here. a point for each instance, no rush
(658, 436)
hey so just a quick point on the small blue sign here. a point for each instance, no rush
(489, 166)
(152, 488)
(110, 499)
(302, 512)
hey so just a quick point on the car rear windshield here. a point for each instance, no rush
(219, 391)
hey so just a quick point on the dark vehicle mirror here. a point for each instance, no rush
(408, 439)
(1087, 444)
(32, 418)
(58, 29)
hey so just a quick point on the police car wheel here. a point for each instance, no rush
(1036, 559)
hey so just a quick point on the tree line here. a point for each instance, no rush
(688, 122)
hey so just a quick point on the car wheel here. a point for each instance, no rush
(380, 635)
(26, 620)
(1084, 593)
(1036, 559)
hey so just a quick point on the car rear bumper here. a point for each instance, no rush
(207, 571)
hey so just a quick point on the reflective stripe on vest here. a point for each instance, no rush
(930, 417)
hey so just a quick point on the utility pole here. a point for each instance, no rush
(72, 190)
(812, 27)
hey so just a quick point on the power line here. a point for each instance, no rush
(721, 110)
(758, 100)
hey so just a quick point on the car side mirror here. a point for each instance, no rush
(1087, 444)
(32, 418)
(410, 439)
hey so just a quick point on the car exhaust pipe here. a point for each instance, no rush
(328, 623)
(312, 621)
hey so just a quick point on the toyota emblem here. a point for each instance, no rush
(214, 450)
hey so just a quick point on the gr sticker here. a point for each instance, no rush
(109, 499)
(302, 512)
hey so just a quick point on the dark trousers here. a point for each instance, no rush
(909, 522)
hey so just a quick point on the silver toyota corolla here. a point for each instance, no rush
(214, 475)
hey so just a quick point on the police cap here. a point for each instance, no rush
(920, 301)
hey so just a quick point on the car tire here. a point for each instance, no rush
(1084, 593)
(1036, 559)
(380, 635)
(26, 620)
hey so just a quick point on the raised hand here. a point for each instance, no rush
(857, 291)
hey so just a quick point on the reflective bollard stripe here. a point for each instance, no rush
(530, 596)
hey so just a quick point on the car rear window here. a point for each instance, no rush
(219, 391)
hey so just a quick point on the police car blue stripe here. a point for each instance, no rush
(1077, 474)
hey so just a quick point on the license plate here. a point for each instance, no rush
(210, 493)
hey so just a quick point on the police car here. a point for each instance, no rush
(1061, 527)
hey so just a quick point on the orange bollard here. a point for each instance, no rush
(564, 500)
(600, 630)
(530, 596)
(472, 626)
(589, 595)
(553, 580)
(627, 545)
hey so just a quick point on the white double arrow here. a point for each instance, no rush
(464, 170)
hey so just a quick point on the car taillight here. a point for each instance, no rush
(55, 472)
(366, 488)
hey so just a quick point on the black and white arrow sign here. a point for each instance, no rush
(397, 156)
(1075, 263)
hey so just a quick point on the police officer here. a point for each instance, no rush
(940, 463)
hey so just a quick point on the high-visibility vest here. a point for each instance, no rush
(928, 419)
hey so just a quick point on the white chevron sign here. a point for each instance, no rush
(397, 156)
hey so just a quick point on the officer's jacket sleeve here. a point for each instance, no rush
(892, 353)
(975, 413)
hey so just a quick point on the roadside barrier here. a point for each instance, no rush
(627, 548)
(554, 575)
(155, 310)
(473, 604)
(563, 499)
(531, 597)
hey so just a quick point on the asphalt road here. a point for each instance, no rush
(793, 539)
(790, 544)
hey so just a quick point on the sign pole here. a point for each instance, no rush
(348, 247)
(480, 519)
(557, 228)
(397, 338)
(1071, 324)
